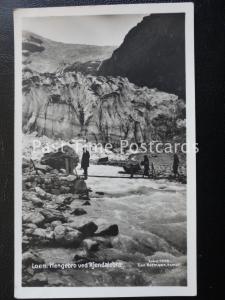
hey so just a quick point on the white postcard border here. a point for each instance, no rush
(91, 292)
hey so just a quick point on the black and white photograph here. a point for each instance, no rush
(105, 151)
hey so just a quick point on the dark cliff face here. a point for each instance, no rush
(152, 54)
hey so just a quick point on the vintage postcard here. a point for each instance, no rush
(105, 202)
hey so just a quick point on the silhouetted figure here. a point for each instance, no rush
(153, 170)
(131, 171)
(85, 162)
(175, 164)
(145, 163)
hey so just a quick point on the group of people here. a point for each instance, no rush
(145, 163)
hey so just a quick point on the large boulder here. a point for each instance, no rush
(88, 228)
(108, 230)
(56, 159)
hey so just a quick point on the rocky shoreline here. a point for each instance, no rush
(52, 206)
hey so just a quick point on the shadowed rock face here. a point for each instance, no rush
(103, 109)
(152, 54)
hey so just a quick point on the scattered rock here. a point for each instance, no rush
(59, 232)
(104, 242)
(35, 218)
(103, 160)
(86, 203)
(47, 180)
(90, 245)
(43, 236)
(100, 193)
(84, 197)
(42, 194)
(30, 271)
(50, 235)
(67, 236)
(80, 255)
(30, 257)
(72, 237)
(55, 191)
(56, 282)
(37, 202)
(55, 223)
(63, 199)
(25, 243)
(64, 189)
(39, 279)
(70, 178)
(27, 195)
(88, 229)
(63, 207)
(25, 163)
(28, 178)
(28, 185)
(30, 225)
(80, 186)
(29, 231)
(54, 171)
(111, 230)
(43, 168)
(52, 215)
(79, 212)
(39, 233)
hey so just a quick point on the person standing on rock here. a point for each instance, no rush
(85, 162)
(145, 163)
(175, 164)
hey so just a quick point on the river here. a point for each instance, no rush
(151, 216)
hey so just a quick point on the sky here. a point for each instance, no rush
(92, 30)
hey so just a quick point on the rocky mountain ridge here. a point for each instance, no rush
(44, 55)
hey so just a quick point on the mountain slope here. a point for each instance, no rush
(152, 54)
(44, 55)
